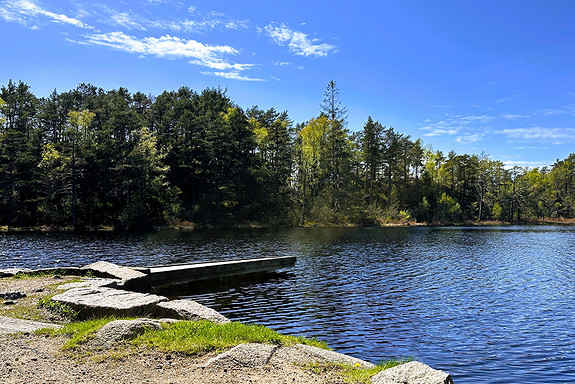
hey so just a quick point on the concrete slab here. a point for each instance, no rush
(175, 274)
(11, 325)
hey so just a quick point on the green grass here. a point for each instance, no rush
(65, 311)
(355, 374)
(196, 337)
(78, 332)
(188, 337)
(359, 375)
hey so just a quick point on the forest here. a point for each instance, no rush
(91, 159)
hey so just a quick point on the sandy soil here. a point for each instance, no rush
(36, 359)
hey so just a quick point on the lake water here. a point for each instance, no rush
(488, 305)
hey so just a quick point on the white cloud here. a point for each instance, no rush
(233, 75)
(509, 116)
(127, 21)
(171, 47)
(440, 132)
(557, 135)
(28, 13)
(473, 138)
(299, 43)
(508, 164)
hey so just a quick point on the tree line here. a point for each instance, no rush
(89, 158)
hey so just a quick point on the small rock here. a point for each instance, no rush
(244, 355)
(189, 310)
(412, 373)
(122, 330)
(12, 295)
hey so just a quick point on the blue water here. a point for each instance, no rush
(488, 305)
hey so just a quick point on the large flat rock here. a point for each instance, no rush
(305, 354)
(412, 373)
(129, 278)
(189, 310)
(90, 302)
(10, 325)
(256, 355)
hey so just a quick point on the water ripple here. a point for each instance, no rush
(489, 305)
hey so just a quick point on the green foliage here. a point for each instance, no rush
(90, 158)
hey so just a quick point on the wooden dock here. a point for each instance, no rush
(180, 274)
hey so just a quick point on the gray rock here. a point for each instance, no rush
(12, 295)
(101, 302)
(244, 355)
(93, 283)
(9, 272)
(412, 373)
(255, 355)
(129, 278)
(10, 325)
(119, 330)
(189, 310)
(305, 354)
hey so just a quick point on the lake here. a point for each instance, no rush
(486, 304)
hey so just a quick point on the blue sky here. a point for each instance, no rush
(493, 77)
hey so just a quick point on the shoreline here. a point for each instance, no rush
(191, 227)
(33, 356)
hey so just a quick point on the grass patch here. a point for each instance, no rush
(196, 337)
(78, 332)
(188, 337)
(63, 310)
(359, 375)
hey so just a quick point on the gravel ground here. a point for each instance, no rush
(38, 360)
(28, 358)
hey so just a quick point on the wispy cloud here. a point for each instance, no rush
(472, 138)
(232, 75)
(508, 164)
(299, 43)
(171, 47)
(142, 31)
(28, 13)
(555, 135)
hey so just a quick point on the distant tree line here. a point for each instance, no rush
(88, 158)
